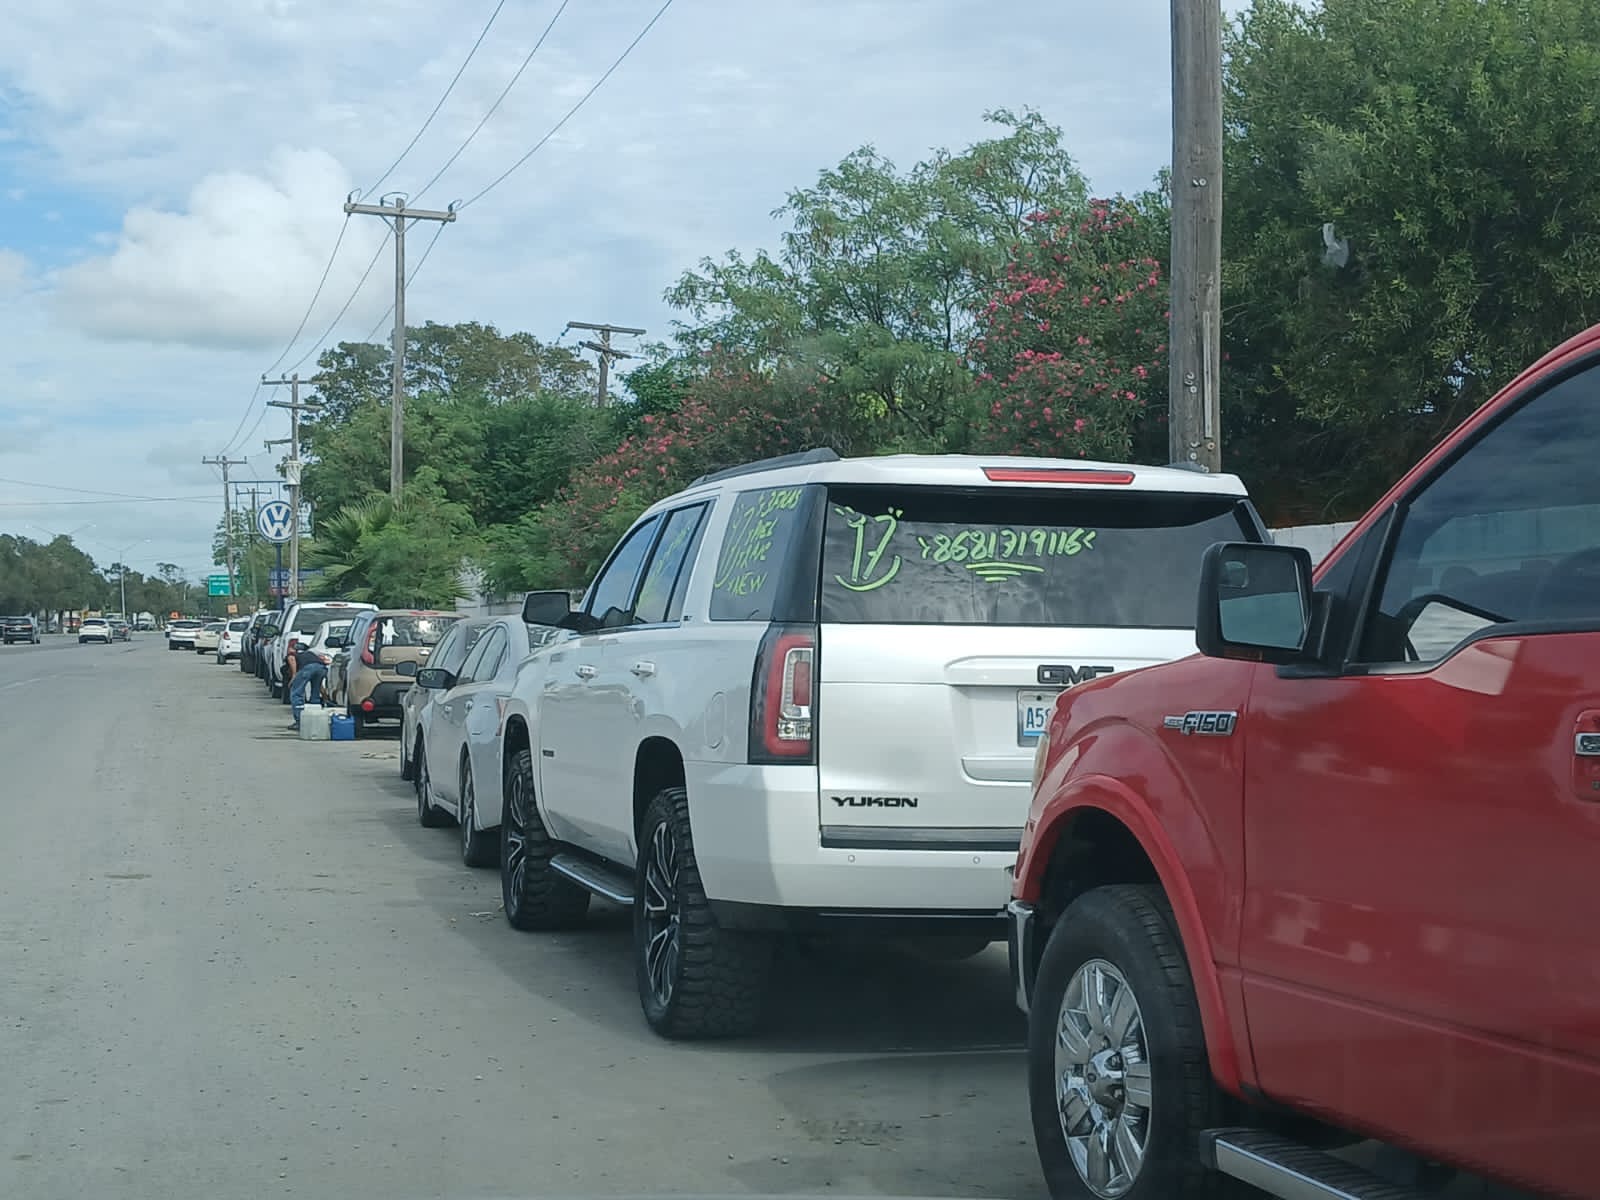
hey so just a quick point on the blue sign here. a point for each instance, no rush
(275, 521)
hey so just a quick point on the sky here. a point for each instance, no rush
(171, 188)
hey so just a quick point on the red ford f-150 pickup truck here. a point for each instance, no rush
(1339, 875)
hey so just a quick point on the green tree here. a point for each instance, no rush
(880, 275)
(405, 555)
(1409, 221)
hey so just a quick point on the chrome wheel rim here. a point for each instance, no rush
(1102, 1071)
(661, 913)
(468, 808)
(514, 833)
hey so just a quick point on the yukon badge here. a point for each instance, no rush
(1216, 724)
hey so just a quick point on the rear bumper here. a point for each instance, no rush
(758, 844)
(385, 700)
(1022, 931)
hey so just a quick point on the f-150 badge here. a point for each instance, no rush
(1215, 724)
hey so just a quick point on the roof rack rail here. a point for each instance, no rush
(801, 458)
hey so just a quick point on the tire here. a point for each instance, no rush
(1113, 941)
(407, 762)
(479, 847)
(695, 978)
(534, 896)
(428, 816)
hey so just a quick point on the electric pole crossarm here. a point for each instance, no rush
(399, 209)
(605, 351)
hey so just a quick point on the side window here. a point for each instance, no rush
(469, 669)
(660, 595)
(490, 657)
(755, 545)
(610, 601)
(1509, 531)
(445, 651)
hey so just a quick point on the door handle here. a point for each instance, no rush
(585, 672)
(1586, 756)
(643, 669)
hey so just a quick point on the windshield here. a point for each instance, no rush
(411, 630)
(919, 556)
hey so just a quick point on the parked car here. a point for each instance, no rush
(95, 629)
(183, 633)
(300, 619)
(416, 701)
(1338, 873)
(805, 694)
(262, 627)
(209, 636)
(122, 630)
(22, 628)
(364, 678)
(457, 751)
(230, 640)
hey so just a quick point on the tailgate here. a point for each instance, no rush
(925, 736)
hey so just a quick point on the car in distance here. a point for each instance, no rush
(230, 642)
(19, 629)
(182, 633)
(209, 636)
(95, 629)
(366, 678)
(121, 630)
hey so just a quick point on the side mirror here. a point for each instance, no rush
(546, 608)
(408, 670)
(435, 678)
(334, 643)
(1255, 603)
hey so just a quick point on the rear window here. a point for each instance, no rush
(185, 625)
(413, 630)
(306, 620)
(239, 626)
(920, 556)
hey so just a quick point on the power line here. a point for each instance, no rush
(451, 87)
(124, 500)
(556, 128)
(299, 329)
(427, 250)
(57, 487)
(504, 92)
(334, 324)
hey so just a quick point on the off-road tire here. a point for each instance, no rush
(429, 816)
(536, 898)
(1132, 928)
(719, 981)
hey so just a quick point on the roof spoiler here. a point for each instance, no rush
(802, 458)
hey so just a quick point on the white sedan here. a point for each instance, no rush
(209, 636)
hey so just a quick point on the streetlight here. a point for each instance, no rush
(122, 573)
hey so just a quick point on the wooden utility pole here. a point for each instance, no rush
(605, 350)
(398, 216)
(223, 461)
(291, 470)
(1195, 335)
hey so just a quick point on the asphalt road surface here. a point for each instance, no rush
(232, 965)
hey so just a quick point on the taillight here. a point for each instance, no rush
(782, 696)
(369, 655)
(1056, 475)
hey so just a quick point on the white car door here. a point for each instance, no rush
(450, 717)
(579, 710)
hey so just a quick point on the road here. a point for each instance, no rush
(234, 966)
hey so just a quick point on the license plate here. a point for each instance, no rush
(1033, 715)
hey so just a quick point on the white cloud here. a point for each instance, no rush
(235, 269)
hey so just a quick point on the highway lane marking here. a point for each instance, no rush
(4, 687)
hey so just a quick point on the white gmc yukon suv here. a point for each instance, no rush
(803, 696)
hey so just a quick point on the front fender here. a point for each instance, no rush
(1103, 793)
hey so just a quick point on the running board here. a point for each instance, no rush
(600, 879)
(1291, 1171)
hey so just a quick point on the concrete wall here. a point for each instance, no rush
(1319, 539)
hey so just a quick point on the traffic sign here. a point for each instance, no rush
(218, 585)
(275, 521)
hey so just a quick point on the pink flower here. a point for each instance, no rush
(1079, 425)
